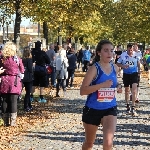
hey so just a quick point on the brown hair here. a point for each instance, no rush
(99, 47)
(26, 53)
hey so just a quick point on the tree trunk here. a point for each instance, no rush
(45, 31)
(81, 40)
(17, 20)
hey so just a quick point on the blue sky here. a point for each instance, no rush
(25, 22)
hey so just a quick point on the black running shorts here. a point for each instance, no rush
(40, 81)
(94, 116)
(129, 79)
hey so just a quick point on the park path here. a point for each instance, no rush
(65, 132)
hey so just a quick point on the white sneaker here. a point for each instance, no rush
(64, 93)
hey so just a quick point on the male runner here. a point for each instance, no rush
(131, 70)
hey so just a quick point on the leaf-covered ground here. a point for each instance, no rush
(40, 114)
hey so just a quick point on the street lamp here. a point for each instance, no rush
(4, 19)
(38, 30)
(59, 36)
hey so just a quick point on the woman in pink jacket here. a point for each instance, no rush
(10, 86)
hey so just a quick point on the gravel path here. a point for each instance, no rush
(66, 132)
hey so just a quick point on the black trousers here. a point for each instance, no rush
(60, 82)
(0, 104)
(28, 89)
(85, 67)
(9, 104)
(70, 75)
(79, 62)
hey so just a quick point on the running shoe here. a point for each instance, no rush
(31, 99)
(133, 112)
(137, 100)
(42, 100)
(57, 95)
(27, 109)
(128, 109)
(64, 93)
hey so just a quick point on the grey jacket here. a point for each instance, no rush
(61, 67)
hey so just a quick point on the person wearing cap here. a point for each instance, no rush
(40, 59)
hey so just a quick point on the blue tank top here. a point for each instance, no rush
(105, 98)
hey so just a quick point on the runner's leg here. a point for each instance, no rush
(90, 135)
(108, 131)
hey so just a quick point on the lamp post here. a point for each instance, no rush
(7, 29)
(38, 30)
(3, 20)
(59, 36)
(3, 29)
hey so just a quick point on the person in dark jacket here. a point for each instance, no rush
(79, 57)
(72, 66)
(28, 77)
(40, 59)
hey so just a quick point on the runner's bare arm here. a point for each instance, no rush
(86, 88)
(139, 66)
(116, 68)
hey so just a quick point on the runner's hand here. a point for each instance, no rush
(139, 73)
(125, 66)
(2, 70)
(107, 84)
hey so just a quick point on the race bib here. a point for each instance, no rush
(105, 94)
(130, 63)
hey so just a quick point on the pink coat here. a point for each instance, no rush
(10, 80)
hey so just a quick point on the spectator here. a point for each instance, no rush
(51, 55)
(61, 71)
(28, 78)
(72, 66)
(10, 86)
(40, 59)
(79, 58)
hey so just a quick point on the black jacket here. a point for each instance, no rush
(28, 74)
(40, 57)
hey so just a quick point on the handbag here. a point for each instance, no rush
(49, 69)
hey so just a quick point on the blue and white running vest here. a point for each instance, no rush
(104, 98)
(132, 61)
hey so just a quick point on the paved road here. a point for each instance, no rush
(66, 132)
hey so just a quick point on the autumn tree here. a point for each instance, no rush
(129, 20)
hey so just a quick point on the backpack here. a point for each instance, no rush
(148, 59)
